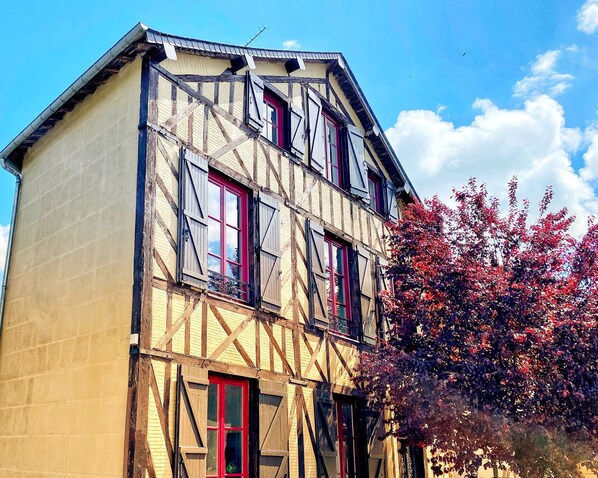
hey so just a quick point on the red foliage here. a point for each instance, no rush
(492, 354)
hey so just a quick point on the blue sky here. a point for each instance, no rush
(464, 88)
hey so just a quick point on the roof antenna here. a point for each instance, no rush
(256, 35)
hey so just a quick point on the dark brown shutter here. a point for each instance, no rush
(269, 252)
(375, 445)
(382, 284)
(317, 155)
(255, 109)
(367, 295)
(192, 422)
(273, 430)
(325, 433)
(297, 128)
(358, 178)
(392, 213)
(193, 219)
(316, 266)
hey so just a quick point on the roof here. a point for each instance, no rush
(141, 39)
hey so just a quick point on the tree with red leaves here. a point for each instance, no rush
(491, 357)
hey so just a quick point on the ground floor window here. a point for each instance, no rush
(228, 431)
(412, 462)
(346, 440)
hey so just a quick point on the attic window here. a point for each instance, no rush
(333, 170)
(274, 119)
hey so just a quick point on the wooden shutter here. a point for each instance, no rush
(392, 213)
(325, 433)
(193, 219)
(297, 128)
(255, 108)
(316, 265)
(358, 177)
(317, 155)
(374, 422)
(383, 285)
(273, 430)
(192, 422)
(366, 294)
(269, 252)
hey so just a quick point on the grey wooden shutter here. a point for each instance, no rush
(325, 433)
(382, 284)
(358, 177)
(273, 430)
(367, 295)
(255, 108)
(193, 220)
(392, 212)
(192, 422)
(297, 128)
(269, 252)
(317, 154)
(316, 265)
(375, 445)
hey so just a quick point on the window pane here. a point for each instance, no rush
(272, 115)
(212, 459)
(214, 200)
(233, 242)
(234, 406)
(212, 405)
(340, 290)
(274, 134)
(214, 245)
(214, 264)
(233, 453)
(232, 209)
(340, 264)
(233, 270)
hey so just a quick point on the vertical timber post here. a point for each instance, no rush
(138, 393)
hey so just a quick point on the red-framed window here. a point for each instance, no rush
(228, 250)
(346, 440)
(336, 256)
(274, 122)
(228, 430)
(375, 189)
(333, 171)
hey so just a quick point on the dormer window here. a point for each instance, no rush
(274, 119)
(333, 170)
(375, 190)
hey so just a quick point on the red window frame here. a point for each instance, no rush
(275, 104)
(342, 325)
(347, 464)
(221, 428)
(375, 190)
(332, 151)
(242, 262)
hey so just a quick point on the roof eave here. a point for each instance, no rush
(134, 35)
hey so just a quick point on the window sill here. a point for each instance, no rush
(338, 335)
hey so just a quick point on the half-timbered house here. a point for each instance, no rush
(194, 269)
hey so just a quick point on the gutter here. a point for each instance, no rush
(17, 175)
(136, 33)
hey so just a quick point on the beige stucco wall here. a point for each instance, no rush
(64, 342)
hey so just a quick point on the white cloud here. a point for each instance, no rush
(532, 143)
(4, 230)
(590, 171)
(544, 79)
(587, 17)
(291, 45)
